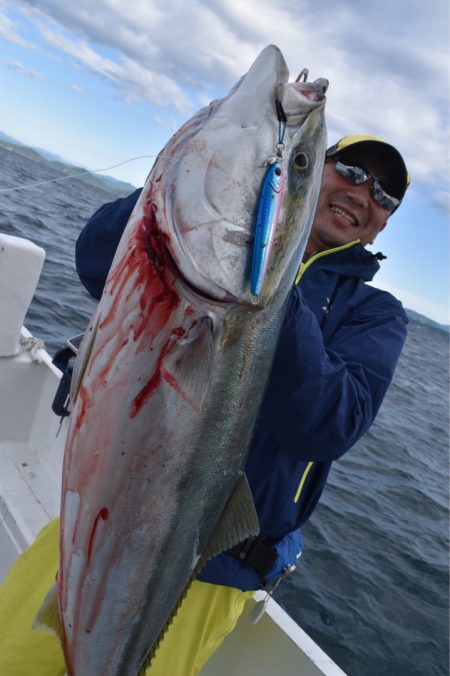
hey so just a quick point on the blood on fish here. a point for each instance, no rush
(146, 272)
(150, 268)
(103, 514)
(146, 392)
(168, 377)
(86, 401)
(152, 384)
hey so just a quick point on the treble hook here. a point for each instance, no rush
(304, 74)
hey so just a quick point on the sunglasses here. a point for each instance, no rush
(358, 175)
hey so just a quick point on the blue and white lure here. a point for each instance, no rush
(268, 213)
(269, 206)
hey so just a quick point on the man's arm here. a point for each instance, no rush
(98, 241)
(323, 399)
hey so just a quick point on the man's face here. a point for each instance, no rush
(345, 211)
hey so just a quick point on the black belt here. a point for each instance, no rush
(257, 553)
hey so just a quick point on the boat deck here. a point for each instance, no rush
(31, 452)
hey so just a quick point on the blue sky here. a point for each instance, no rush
(101, 82)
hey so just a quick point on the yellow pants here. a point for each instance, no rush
(208, 613)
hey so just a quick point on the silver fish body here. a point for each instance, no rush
(173, 368)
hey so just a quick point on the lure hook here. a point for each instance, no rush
(303, 75)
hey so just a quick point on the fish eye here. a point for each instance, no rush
(301, 161)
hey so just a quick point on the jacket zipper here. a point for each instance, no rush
(301, 271)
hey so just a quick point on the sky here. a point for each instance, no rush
(99, 83)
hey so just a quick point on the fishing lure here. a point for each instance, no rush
(270, 200)
(268, 212)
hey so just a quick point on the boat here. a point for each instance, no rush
(32, 440)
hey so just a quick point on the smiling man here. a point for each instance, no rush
(364, 181)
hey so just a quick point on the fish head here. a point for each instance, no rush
(205, 186)
(303, 161)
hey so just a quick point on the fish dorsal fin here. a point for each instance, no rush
(48, 618)
(239, 521)
(188, 365)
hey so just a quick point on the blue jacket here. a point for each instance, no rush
(339, 346)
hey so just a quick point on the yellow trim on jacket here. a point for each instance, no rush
(302, 269)
(304, 266)
(302, 480)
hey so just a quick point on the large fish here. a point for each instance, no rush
(173, 367)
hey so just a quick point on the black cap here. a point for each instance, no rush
(399, 178)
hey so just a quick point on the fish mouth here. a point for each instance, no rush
(314, 91)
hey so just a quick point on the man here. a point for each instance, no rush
(338, 349)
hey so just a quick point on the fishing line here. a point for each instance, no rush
(80, 173)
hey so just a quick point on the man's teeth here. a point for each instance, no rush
(344, 214)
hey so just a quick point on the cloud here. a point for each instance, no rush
(164, 37)
(387, 62)
(441, 201)
(135, 82)
(166, 121)
(8, 32)
(20, 69)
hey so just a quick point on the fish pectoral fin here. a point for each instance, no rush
(47, 618)
(239, 521)
(188, 365)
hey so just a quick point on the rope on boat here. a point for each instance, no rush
(33, 346)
